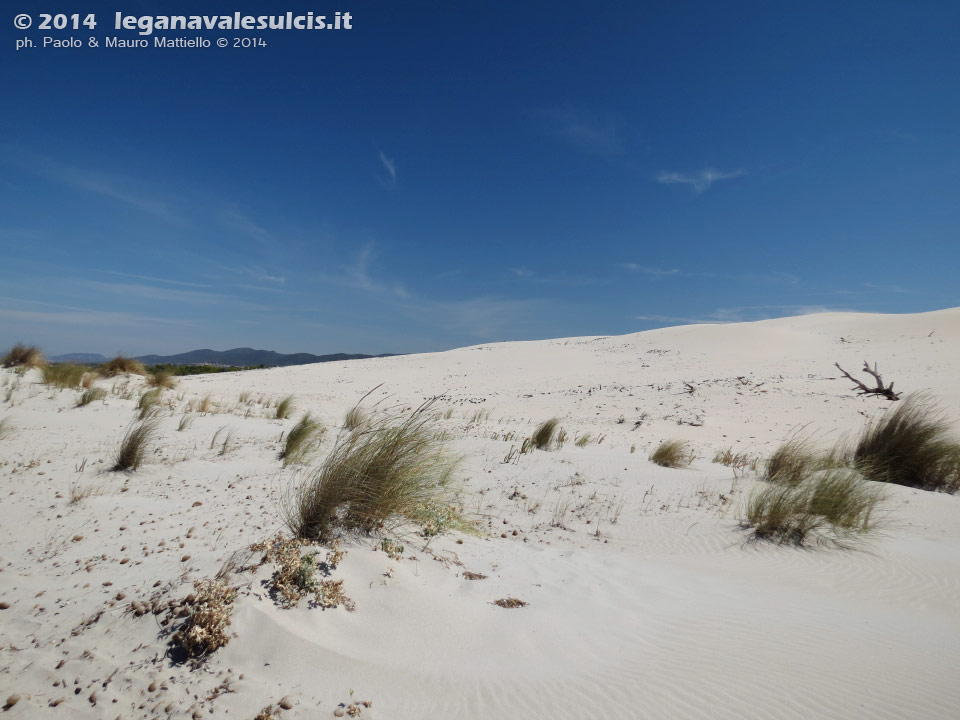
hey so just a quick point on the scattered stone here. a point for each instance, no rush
(11, 701)
(285, 702)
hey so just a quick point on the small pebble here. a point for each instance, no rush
(285, 702)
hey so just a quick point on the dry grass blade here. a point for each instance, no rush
(135, 444)
(162, 379)
(205, 629)
(285, 408)
(149, 402)
(21, 355)
(354, 419)
(302, 440)
(791, 462)
(395, 467)
(64, 375)
(672, 454)
(6, 428)
(911, 446)
(838, 500)
(122, 365)
(542, 437)
(91, 395)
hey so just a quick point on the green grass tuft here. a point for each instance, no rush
(133, 448)
(64, 375)
(302, 441)
(396, 467)
(543, 436)
(672, 454)
(791, 462)
(354, 419)
(285, 408)
(911, 446)
(838, 500)
(91, 395)
(149, 402)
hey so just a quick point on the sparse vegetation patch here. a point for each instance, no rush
(21, 355)
(672, 454)
(397, 467)
(64, 375)
(543, 436)
(91, 395)
(302, 440)
(912, 446)
(135, 444)
(121, 365)
(205, 629)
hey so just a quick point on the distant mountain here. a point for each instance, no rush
(244, 357)
(83, 358)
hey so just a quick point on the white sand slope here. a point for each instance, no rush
(643, 598)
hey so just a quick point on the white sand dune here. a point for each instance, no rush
(644, 600)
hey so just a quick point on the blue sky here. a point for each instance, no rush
(446, 174)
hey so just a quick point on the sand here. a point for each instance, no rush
(644, 597)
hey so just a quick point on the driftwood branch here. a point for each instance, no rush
(862, 389)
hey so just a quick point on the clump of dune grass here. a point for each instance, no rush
(543, 436)
(582, 440)
(355, 418)
(91, 395)
(285, 408)
(162, 379)
(21, 355)
(185, 421)
(397, 467)
(302, 440)
(672, 454)
(6, 428)
(911, 446)
(121, 365)
(837, 500)
(149, 402)
(791, 462)
(206, 405)
(64, 375)
(135, 444)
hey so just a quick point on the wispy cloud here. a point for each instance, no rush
(150, 278)
(585, 130)
(33, 311)
(236, 220)
(389, 164)
(747, 313)
(108, 186)
(699, 181)
(484, 318)
(389, 181)
(565, 279)
(357, 275)
(633, 267)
